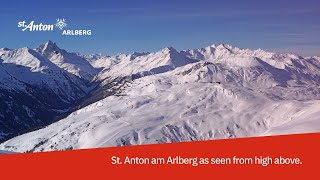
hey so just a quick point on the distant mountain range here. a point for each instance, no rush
(214, 92)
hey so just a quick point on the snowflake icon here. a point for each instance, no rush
(61, 23)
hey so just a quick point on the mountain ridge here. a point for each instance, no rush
(215, 92)
(70, 62)
(34, 91)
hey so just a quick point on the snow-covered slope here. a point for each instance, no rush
(169, 96)
(140, 64)
(29, 67)
(104, 61)
(5, 152)
(100, 61)
(34, 91)
(71, 62)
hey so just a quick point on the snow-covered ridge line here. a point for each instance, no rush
(38, 85)
(215, 92)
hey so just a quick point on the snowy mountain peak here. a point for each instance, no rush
(316, 57)
(71, 62)
(26, 57)
(51, 43)
(4, 49)
(224, 46)
(139, 54)
(215, 92)
(48, 47)
(134, 55)
(169, 50)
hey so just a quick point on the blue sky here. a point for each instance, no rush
(140, 25)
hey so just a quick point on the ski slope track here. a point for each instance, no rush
(216, 92)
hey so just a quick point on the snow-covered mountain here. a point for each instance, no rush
(34, 91)
(71, 62)
(6, 152)
(215, 92)
(99, 61)
(139, 63)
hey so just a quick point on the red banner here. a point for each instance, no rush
(290, 156)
